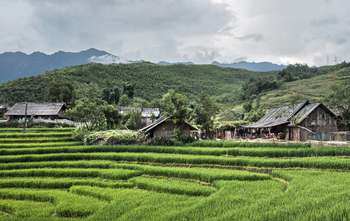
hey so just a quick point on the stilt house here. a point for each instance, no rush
(298, 122)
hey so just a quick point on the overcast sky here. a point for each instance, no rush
(281, 31)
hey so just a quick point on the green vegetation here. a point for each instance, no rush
(144, 80)
(47, 179)
(93, 91)
(115, 137)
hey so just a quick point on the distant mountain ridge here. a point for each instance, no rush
(15, 65)
(252, 66)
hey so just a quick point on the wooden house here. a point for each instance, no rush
(298, 122)
(36, 110)
(165, 127)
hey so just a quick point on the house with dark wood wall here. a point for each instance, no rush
(298, 122)
(165, 127)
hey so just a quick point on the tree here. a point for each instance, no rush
(61, 92)
(89, 112)
(134, 120)
(248, 106)
(340, 100)
(297, 72)
(112, 116)
(175, 105)
(129, 89)
(254, 86)
(111, 96)
(124, 100)
(205, 112)
(91, 91)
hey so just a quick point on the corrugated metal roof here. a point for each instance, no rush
(307, 110)
(35, 109)
(278, 116)
(303, 113)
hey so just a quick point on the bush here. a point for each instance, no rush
(113, 137)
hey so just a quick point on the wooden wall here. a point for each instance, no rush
(167, 130)
(319, 121)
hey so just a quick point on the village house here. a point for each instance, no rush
(300, 122)
(149, 115)
(50, 111)
(165, 127)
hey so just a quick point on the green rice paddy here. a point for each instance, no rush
(45, 174)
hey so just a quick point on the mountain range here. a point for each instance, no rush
(14, 65)
(252, 66)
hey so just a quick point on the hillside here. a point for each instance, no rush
(253, 66)
(316, 88)
(14, 65)
(151, 80)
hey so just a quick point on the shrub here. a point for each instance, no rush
(113, 137)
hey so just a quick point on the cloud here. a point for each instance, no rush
(139, 29)
(176, 30)
(251, 37)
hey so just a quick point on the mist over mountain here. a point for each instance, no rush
(252, 66)
(15, 65)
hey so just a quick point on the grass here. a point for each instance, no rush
(172, 186)
(30, 135)
(37, 140)
(59, 183)
(326, 162)
(273, 152)
(50, 176)
(44, 144)
(113, 174)
(224, 143)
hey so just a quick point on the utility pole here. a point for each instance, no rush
(25, 117)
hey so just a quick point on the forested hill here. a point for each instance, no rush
(151, 81)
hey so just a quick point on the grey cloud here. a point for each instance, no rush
(325, 21)
(251, 37)
(149, 29)
(285, 31)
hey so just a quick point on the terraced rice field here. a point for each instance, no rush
(47, 175)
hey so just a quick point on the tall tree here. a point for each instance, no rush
(134, 120)
(61, 92)
(111, 96)
(205, 112)
(175, 105)
(112, 116)
(89, 112)
(340, 100)
(129, 89)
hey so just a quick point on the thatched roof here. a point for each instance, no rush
(35, 109)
